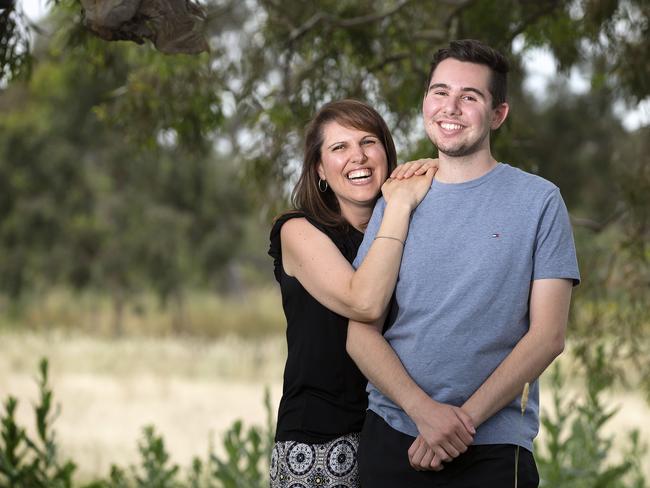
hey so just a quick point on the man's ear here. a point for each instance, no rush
(499, 114)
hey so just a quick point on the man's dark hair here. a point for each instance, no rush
(472, 51)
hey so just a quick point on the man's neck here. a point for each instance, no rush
(466, 168)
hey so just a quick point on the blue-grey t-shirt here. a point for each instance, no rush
(461, 300)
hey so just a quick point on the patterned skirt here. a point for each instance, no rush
(329, 465)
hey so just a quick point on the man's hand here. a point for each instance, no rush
(448, 430)
(422, 457)
(445, 432)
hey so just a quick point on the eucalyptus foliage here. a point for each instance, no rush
(122, 168)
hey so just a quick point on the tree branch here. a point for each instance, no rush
(366, 19)
(393, 58)
(337, 22)
(306, 27)
(436, 35)
(460, 6)
(596, 226)
(550, 6)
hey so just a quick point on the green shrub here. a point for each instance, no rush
(155, 470)
(27, 462)
(32, 462)
(576, 453)
(246, 452)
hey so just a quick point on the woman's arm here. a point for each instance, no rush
(311, 257)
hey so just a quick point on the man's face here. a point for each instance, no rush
(457, 108)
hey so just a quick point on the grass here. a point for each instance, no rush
(33, 459)
(524, 403)
(230, 357)
(192, 390)
(192, 386)
(203, 314)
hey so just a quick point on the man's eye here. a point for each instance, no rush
(469, 98)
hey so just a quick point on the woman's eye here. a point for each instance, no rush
(368, 141)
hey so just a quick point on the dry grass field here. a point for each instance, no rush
(191, 390)
(108, 390)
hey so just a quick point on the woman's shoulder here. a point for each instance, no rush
(297, 220)
(279, 221)
(290, 224)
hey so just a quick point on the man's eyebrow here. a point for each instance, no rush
(439, 85)
(464, 89)
(474, 90)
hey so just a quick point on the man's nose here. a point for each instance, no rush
(451, 105)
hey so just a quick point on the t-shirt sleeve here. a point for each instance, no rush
(555, 252)
(371, 232)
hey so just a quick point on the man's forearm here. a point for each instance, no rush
(549, 310)
(524, 364)
(379, 363)
(445, 428)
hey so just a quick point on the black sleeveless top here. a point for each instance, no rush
(324, 393)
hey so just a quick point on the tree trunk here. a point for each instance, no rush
(119, 303)
(174, 26)
(178, 312)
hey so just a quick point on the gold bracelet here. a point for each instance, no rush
(392, 238)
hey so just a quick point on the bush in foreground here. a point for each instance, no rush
(34, 461)
(575, 454)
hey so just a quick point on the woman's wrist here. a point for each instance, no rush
(399, 206)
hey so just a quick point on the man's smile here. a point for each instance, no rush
(451, 126)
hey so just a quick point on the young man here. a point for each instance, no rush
(481, 302)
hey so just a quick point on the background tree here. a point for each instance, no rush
(91, 201)
(14, 41)
(124, 168)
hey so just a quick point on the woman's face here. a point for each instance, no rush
(354, 164)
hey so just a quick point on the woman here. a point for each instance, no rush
(349, 153)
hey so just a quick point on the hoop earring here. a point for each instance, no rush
(320, 185)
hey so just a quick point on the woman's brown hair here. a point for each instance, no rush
(306, 197)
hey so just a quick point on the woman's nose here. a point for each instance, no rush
(359, 154)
